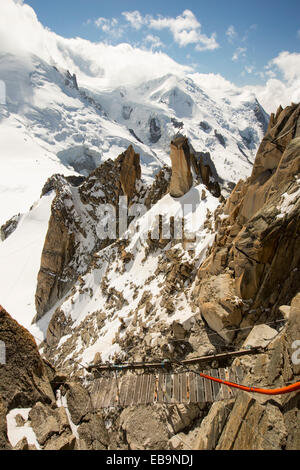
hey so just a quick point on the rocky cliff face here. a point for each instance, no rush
(259, 422)
(182, 179)
(72, 237)
(254, 263)
(23, 377)
(31, 399)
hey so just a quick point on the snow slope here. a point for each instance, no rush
(117, 310)
(20, 259)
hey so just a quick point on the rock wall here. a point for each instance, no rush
(23, 379)
(182, 179)
(72, 236)
(258, 240)
(27, 381)
(260, 422)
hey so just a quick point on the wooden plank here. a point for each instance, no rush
(179, 388)
(184, 397)
(147, 389)
(130, 390)
(133, 386)
(137, 390)
(151, 389)
(107, 395)
(193, 390)
(123, 390)
(103, 392)
(200, 389)
(161, 388)
(114, 397)
(144, 388)
(215, 386)
(118, 388)
(156, 389)
(169, 389)
(176, 388)
(95, 393)
(208, 388)
(114, 393)
(107, 401)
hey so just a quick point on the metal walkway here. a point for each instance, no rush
(187, 387)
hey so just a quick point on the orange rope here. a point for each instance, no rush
(263, 391)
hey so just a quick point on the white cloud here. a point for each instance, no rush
(288, 64)
(154, 41)
(185, 29)
(240, 52)
(96, 64)
(250, 69)
(99, 64)
(298, 33)
(110, 26)
(134, 18)
(231, 34)
(282, 91)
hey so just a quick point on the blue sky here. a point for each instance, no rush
(234, 38)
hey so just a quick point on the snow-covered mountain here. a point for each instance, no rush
(52, 124)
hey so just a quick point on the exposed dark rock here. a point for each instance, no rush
(126, 112)
(23, 379)
(78, 401)
(205, 126)
(220, 138)
(160, 187)
(92, 433)
(135, 136)
(71, 80)
(258, 243)
(177, 124)
(155, 130)
(182, 179)
(205, 169)
(4, 443)
(67, 226)
(52, 428)
(9, 227)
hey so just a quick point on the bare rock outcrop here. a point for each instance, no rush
(52, 427)
(4, 443)
(182, 178)
(206, 172)
(9, 227)
(130, 171)
(23, 378)
(58, 251)
(72, 236)
(258, 239)
(260, 422)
